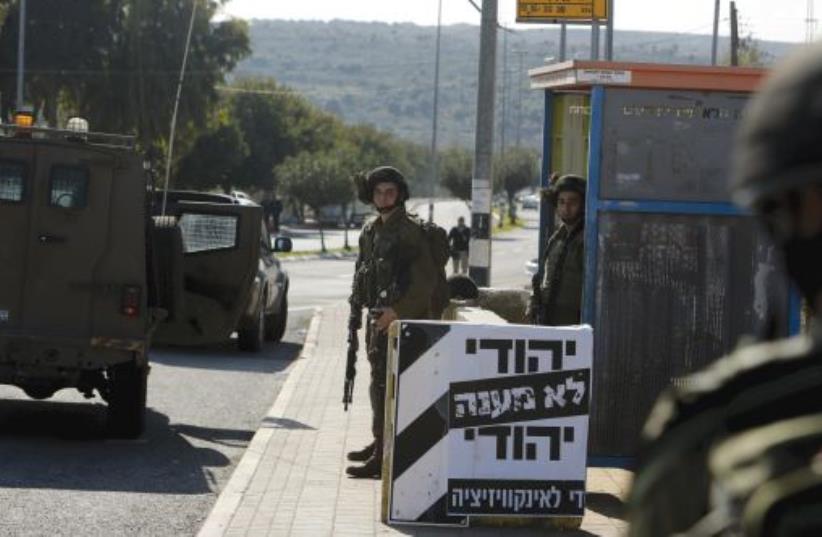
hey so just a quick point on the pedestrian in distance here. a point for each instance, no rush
(395, 278)
(734, 448)
(459, 239)
(556, 297)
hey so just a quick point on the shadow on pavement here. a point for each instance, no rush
(226, 357)
(605, 504)
(284, 423)
(225, 437)
(63, 446)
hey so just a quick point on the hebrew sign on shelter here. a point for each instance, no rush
(488, 420)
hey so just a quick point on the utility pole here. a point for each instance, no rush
(434, 160)
(734, 35)
(563, 41)
(715, 40)
(810, 23)
(21, 54)
(520, 53)
(504, 96)
(609, 34)
(480, 251)
(595, 39)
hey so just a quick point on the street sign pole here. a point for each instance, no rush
(481, 185)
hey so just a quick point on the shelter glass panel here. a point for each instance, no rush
(569, 133)
(668, 145)
(674, 293)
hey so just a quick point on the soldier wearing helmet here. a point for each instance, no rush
(731, 450)
(556, 298)
(394, 278)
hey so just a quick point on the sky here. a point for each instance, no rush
(778, 21)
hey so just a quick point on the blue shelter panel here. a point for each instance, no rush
(673, 293)
(668, 145)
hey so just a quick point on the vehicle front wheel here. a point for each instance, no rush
(275, 324)
(250, 338)
(127, 386)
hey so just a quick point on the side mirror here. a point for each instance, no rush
(282, 244)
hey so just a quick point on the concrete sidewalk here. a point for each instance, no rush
(291, 480)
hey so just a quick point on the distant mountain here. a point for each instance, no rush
(383, 74)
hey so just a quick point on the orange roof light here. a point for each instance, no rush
(24, 119)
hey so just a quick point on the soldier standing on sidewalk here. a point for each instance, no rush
(394, 278)
(557, 286)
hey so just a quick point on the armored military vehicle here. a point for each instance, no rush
(79, 293)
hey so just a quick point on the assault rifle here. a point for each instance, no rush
(354, 323)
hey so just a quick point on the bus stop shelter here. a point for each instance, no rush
(675, 273)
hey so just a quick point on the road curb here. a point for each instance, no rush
(229, 499)
(312, 257)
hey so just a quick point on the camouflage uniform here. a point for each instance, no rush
(557, 287)
(394, 269)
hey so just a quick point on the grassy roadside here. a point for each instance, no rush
(506, 224)
(328, 251)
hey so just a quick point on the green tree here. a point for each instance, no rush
(515, 170)
(276, 123)
(213, 160)
(316, 179)
(455, 171)
(116, 62)
(751, 53)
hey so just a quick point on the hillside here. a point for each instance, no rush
(383, 73)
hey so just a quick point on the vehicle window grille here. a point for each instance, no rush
(69, 187)
(208, 232)
(11, 182)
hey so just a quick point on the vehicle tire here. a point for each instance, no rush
(127, 400)
(275, 324)
(250, 338)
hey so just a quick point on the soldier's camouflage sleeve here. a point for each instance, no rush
(415, 301)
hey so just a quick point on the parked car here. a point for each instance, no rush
(530, 202)
(226, 273)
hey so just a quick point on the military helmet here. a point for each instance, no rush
(380, 174)
(567, 183)
(777, 145)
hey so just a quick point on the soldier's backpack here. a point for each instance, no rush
(440, 252)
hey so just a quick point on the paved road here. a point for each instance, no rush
(511, 250)
(60, 476)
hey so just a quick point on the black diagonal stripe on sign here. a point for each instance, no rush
(438, 514)
(416, 339)
(421, 435)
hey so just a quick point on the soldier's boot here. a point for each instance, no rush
(363, 454)
(372, 469)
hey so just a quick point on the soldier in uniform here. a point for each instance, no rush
(761, 390)
(394, 278)
(557, 286)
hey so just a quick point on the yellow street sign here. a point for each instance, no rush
(561, 10)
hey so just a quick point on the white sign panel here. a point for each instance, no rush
(604, 76)
(490, 420)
